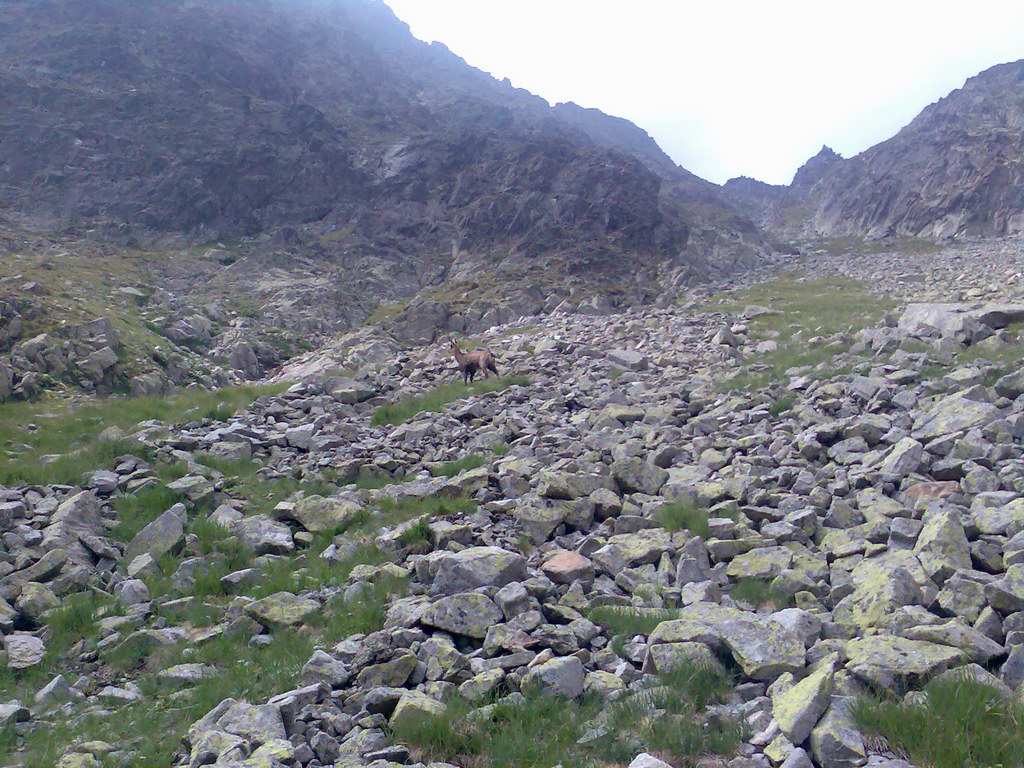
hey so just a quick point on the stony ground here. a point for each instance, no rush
(806, 493)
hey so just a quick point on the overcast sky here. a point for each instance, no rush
(734, 87)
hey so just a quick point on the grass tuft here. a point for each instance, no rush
(452, 468)
(664, 717)
(683, 516)
(758, 592)
(959, 723)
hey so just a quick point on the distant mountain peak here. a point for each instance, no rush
(956, 169)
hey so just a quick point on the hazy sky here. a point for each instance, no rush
(734, 87)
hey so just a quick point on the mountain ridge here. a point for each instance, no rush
(954, 170)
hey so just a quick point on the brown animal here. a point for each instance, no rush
(471, 362)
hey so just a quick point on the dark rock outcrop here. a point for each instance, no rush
(186, 122)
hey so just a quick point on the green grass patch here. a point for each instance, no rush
(30, 431)
(664, 717)
(137, 510)
(851, 244)
(362, 614)
(781, 405)
(452, 468)
(243, 478)
(150, 732)
(370, 480)
(501, 449)
(394, 512)
(758, 592)
(417, 536)
(629, 621)
(801, 310)
(440, 396)
(959, 723)
(683, 516)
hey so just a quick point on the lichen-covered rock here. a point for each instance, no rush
(414, 708)
(318, 513)
(538, 521)
(568, 485)
(798, 709)
(264, 536)
(999, 520)
(664, 657)
(835, 740)
(942, 547)
(256, 723)
(881, 585)
(78, 760)
(884, 660)
(163, 536)
(470, 614)
(763, 649)
(638, 476)
(904, 458)
(282, 609)
(563, 676)
(956, 634)
(761, 563)
(391, 673)
(478, 567)
(952, 415)
(23, 650)
(1006, 595)
(195, 488)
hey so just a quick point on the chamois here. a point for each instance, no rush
(471, 362)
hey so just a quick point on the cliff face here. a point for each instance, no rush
(954, 170)
(187, 121)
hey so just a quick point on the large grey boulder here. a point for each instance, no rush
(629, 359)
(163, 536)
(563, 676)
(77, 517)
(23, 650)
(6, 380)
(478, 567)
(950, 321)
(264, 536)
(635, 475)
(470, 614)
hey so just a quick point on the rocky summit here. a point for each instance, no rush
(727, 501)
(953, 171)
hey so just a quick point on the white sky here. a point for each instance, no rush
(734, 87)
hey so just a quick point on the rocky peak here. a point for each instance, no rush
(811, 172)
(955, 170)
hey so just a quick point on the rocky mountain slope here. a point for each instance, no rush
(333, 576)
(955, 170)
(338, 166)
